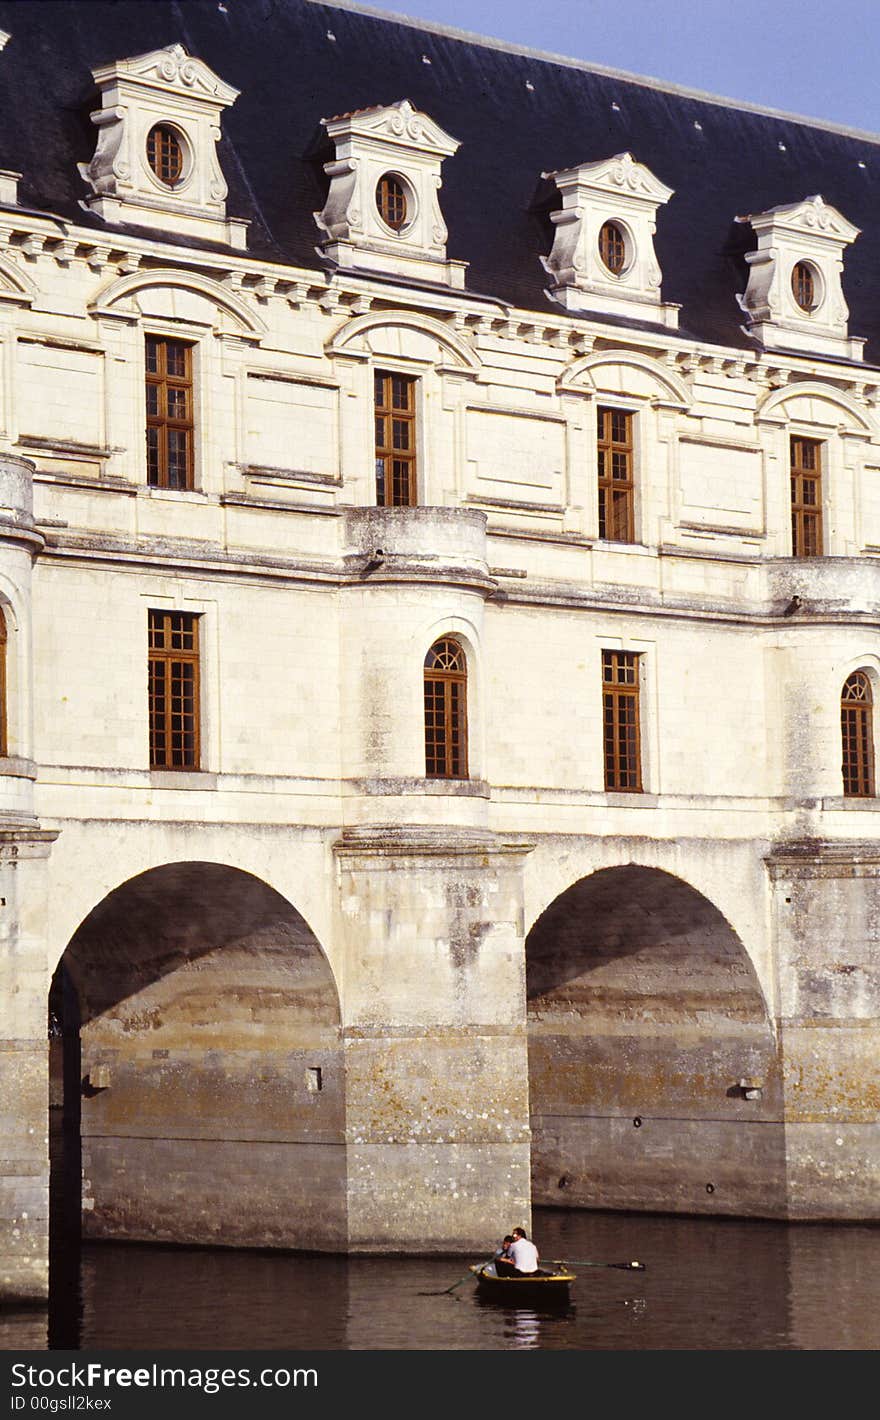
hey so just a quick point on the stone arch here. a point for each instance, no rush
(649, 379)
(15, 285)
(847, 413)
(867, 661)
(353, 336)
(117, 298)
(210, 1075)
(649, 1037)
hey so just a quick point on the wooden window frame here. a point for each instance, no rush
(857, 736)
(616, 480)
(803, 287)
(445, 700)
(167, 386)
(806, 496)
(396, 436)
(613, 247)
(158, 150)
(621, 721)
(175, 731)
(388, 201)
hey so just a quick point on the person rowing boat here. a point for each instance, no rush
(523, 1254)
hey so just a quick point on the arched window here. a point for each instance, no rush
(857, 735)
(446, 711)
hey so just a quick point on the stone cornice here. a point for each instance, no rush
(823, 858)
(766, 611)
(25, 238)
(387, 845)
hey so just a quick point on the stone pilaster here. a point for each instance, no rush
(435, 1039)
(827, 925)
(24, 1155)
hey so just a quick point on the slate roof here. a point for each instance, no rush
(516, 115)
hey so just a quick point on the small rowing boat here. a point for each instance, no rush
(536, 1288)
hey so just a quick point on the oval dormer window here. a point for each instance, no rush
(803, 286)
(165, 154)
(391, 201)
(612, 247)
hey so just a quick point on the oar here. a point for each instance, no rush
(446, 1290)
(581, 1262)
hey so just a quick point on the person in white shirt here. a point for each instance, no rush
(523, 1254)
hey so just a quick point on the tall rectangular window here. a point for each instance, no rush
(620, 720)
(169, 413)
(616, 487)
(806, 497)
(173, 689)
(395, 440)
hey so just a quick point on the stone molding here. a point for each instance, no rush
(116, 301)
(823, 858)
(27, 239)
(393, 843)
(26, 842)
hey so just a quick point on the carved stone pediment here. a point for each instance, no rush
(813, 215)
(400, 125)
(167, 91)
(622, 196)
(403, 149)
(622, 175)
(171, 70)
(794, 297)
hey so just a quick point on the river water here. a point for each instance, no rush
(708, 1284)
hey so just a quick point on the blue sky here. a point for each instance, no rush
(811, 58)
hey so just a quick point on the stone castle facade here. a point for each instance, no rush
(438, 746)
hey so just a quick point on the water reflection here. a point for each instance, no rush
(23, 1330)
(708, 1284)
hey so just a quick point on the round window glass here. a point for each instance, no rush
(612, 247)
(803, 286)
(165, 154)
(391, 201)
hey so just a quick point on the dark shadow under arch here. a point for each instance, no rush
(211, 1081)
(174, 915)
(653, 1070)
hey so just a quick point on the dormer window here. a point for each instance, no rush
(794, 297)
(603, 257)
(612, 248)
(165, 154)
(391, 201)
(155, 164)
(803, 285)
(382, 212)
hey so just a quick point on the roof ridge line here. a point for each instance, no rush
(647, 81)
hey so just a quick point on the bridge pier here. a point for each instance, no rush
(436, 1052)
